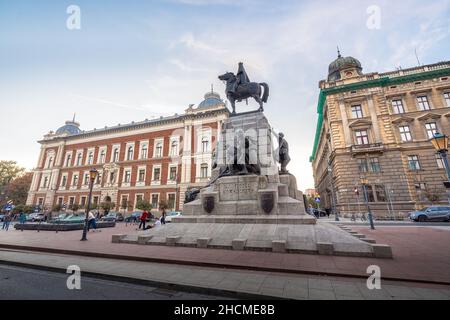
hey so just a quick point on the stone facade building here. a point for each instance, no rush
(150, 160)
(374, 129)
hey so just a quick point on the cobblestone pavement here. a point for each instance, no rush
(213, 281)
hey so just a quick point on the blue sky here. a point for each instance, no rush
(133, 60)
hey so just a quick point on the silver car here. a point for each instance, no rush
(433, 213)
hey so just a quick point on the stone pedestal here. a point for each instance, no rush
(266, 193)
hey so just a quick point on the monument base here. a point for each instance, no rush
(321, 238)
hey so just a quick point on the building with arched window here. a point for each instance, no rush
(151, 160)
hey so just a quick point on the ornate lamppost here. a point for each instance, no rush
(364, 183)
(440, 143)
(92, 175)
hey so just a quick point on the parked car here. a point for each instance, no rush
(134, 217)
(112, 216)
(60, 217)
(73, 218)
(433, 213)
(35, 217)
(172, 214)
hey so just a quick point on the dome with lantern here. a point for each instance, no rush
(344, 67)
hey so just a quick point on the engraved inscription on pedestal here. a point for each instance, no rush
(239, 190)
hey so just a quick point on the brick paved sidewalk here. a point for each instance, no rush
(230, 283)
(420, 254)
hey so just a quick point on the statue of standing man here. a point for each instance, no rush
(283, 153)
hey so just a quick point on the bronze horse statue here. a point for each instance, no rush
(241, 91)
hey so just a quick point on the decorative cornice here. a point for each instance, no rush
(139, 125)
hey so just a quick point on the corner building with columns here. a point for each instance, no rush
(374, 129)
(153, 160)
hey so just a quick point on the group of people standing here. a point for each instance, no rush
(22, 217)
(148, 215)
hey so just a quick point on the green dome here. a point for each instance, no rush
(341, 63)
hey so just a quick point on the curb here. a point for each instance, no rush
(152, 283)
(210, 264)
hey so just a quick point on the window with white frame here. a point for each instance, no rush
(205, 144)
(173, 173)
(75, 180)
(68, 161)
(86, 179)
(115, 154)
(141, 175)
(130, 152)
(362, 165)
(156, 174)
(171, 200)
(362, 137)
(431, 128)
(82, 201)
(127, 176)
(90, 157)
(99, 177)
(144, 150)
(174, 148)
(447, 98)
(155, 200)
(204, 170)
(440, 161)
(413, 163)
(102, 156)
(79, 158)
(405, 133)
(139, 198)
(158, 149)
(397, 106)
(375, 165)
(64, 180)
(422, 102)
(357, 111)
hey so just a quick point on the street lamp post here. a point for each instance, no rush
(440, 143)
(92, 175)
(333, 199)
(364, 183)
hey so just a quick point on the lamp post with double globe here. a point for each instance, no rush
(92, 176)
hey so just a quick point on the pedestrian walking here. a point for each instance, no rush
(92, 221)
(6, 221)
(143, 218)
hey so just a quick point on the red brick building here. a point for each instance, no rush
(151, 160)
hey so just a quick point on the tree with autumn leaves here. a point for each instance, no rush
(14, 183)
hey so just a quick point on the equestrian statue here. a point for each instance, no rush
(239, 87)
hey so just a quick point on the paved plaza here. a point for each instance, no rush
(420, 254)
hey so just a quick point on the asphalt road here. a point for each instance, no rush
(18, 283)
